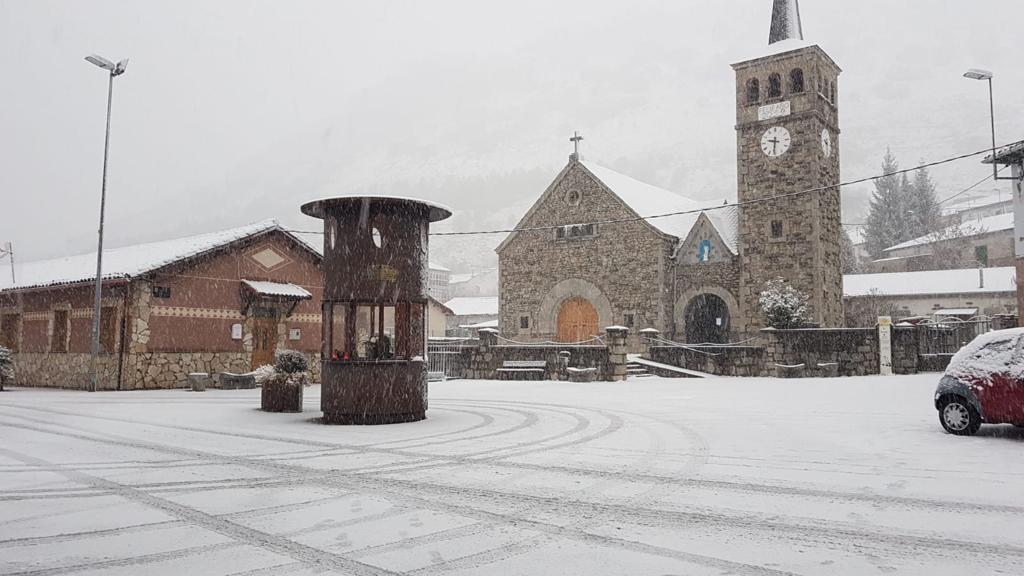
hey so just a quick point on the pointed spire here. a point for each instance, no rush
(785, 21)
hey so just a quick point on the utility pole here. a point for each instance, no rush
(8, 250)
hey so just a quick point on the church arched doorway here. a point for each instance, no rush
(577, 320)
(707, 320)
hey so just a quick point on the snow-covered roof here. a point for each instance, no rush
(315, 208)
(284, 290)
(460, 278)
(956, 312)
(780, 47)
(128, 261)
(962, 281)
(438, 267)
(648, 200)
(478, 325)
(1007, 154)
(473, 306)
(964, 229)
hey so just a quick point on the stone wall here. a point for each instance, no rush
(72, 371)
(482, 361)
(904, 350)
(718, 360)
(852, 351)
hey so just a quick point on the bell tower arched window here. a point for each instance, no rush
(753, 91)
(774, 86)
(796, 80)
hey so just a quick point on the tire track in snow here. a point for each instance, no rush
(238, 532)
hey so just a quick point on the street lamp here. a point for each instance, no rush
(978, 74)
(115, 70)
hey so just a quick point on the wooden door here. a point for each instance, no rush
(264, 339)
(577, 320)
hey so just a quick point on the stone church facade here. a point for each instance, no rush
(582, 257)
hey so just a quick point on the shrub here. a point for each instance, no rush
(263, 374)
(783, 306)
(6, 367)
(290, 362)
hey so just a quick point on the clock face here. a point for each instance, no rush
(775, 141)
(826, 143)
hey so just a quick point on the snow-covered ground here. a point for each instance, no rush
(651, 476)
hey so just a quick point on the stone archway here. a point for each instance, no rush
(731, 321)
(707, 320)
(577, 320)
(551, 305)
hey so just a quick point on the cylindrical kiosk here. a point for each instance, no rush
(374, 307)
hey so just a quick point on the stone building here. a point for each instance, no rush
(585, 259)
(212, 303)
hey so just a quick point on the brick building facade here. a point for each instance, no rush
(585, 259)
(220, 302)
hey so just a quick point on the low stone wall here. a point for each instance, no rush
(483, 360)
(718, 360)
(64, 370)
(904, 350)
(149, 370)
(823, 351)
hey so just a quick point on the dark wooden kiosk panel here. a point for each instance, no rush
(374, 308)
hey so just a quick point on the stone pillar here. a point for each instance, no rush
(488, 337)
(481, 364)
(647, 337)
(617, 349)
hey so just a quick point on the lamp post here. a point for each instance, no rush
(115, 70)
(979, 74)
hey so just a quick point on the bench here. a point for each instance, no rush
(581, 374)
(512, 368)
(232, 381)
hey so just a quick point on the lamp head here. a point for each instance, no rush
(978, 74)
(101, 62)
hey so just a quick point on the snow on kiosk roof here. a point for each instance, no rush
(132, 261)
(473, 305)
(315, 208)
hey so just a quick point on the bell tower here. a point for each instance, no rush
(787, 143)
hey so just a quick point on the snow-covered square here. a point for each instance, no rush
(649, 476)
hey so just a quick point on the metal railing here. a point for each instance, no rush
(946, 335)
(441, 355)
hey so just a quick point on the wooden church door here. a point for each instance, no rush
(577, 320)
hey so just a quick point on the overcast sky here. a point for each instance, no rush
(237, 111)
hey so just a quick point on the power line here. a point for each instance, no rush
(715, 207)
(973, 186)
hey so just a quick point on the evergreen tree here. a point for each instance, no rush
(784, 306)
(925, 216)
(887, 211)
(848, 254)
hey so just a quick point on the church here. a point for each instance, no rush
(585, 256)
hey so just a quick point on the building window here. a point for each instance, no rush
(627, 320)
(831, 92)
(573, 197)
(574, 231)
(61, 330)
(108, 329)
(753, 91)
(161, 291)
(796, 80)
(524, 322)
(9, 331)
(981, 255)
(774, 86)
(776, 228)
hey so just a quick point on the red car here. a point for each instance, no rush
(984, 383)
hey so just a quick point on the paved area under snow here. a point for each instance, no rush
(653, 476)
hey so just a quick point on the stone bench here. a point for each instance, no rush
(581, 374)
(232, 381)
(513, 368)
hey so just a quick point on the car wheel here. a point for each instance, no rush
(958, 417)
